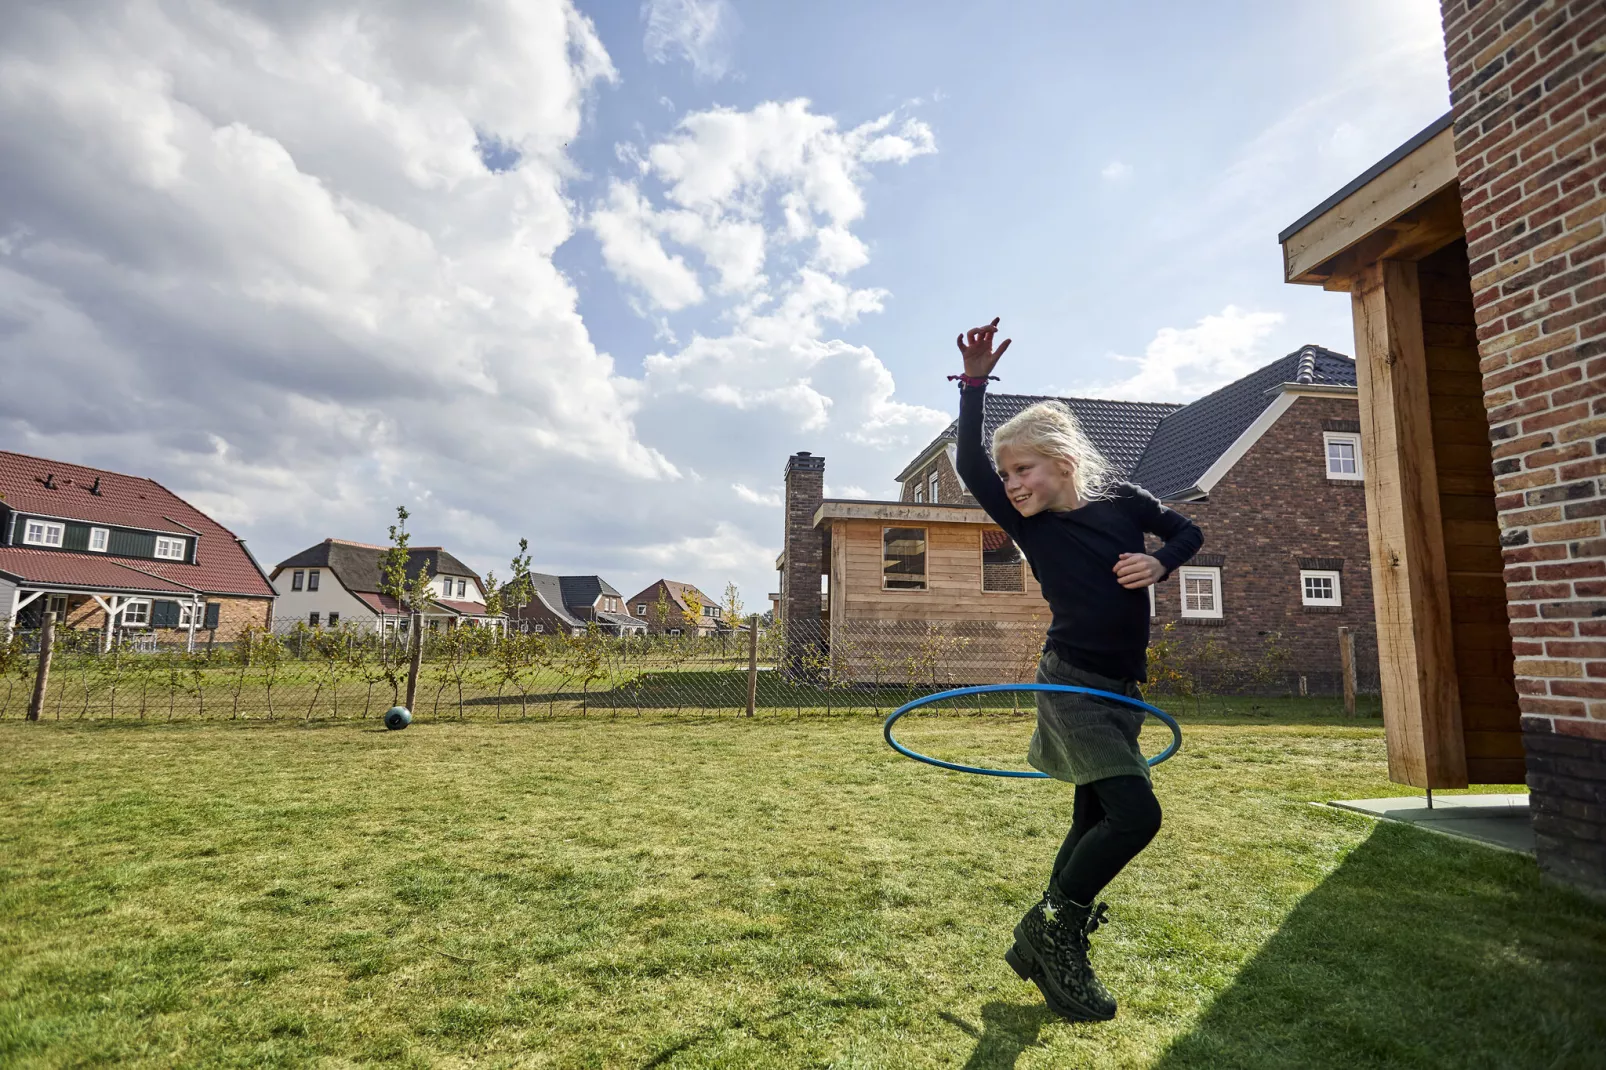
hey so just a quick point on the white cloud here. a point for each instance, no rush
(627, 229)
(1115, 170)
(747, 494)
(699, 31)
(1184, 364)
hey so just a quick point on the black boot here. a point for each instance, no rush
(1050, 950)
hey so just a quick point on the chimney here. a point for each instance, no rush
(802, 556)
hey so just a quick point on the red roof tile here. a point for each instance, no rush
(224, 566)
(59, 569)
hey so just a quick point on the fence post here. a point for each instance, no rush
(417, 656)
(41, 682)
(1346, 659)
(752, 663)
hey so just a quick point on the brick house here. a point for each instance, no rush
(1268, 466)
(708, 618)
(119, 555)
(1475, 260)
(568, 604)
(338, 581)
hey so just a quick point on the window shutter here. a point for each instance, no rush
(164, 615)
(212, 614)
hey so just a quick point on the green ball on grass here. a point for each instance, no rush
(397, 718)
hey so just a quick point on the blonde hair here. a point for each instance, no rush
(1051, 429)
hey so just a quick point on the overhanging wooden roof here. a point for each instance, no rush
(1403, 207)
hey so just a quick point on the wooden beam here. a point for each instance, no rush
(1410, 587)
(1404, 186)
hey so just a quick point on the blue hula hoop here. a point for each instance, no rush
(886, 729)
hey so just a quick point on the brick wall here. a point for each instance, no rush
(1526, 81)
(1275, 507)
(803, 554)
(234, 616)
(949, 487)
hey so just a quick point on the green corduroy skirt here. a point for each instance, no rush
(1082, 738)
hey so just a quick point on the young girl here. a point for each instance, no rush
(1082, 532)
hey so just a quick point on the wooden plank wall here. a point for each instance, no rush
(1490, 720)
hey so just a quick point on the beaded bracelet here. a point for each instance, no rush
(973, 380)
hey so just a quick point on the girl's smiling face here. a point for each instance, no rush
(1035, 482)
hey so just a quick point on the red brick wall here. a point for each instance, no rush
(1526, 82)
(234, 616)
(949, 487)
(1274, 507)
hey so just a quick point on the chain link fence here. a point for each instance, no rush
(360, 668)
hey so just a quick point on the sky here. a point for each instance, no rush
(587, 273)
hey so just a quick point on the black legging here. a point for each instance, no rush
(1113, 820)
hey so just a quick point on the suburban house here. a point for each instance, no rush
(119, 555)
(682, 607)
(569, 604)
(337, 581)
(1474, 257)
(1268, 466)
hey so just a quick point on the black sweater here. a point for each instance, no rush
(1098, 626)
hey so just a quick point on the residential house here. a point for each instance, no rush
(670, 607)
(119, 555)
(569, 604)
(1473, 260)
(1268, 466)
(338, 581)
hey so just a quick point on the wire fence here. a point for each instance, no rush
(360, 669)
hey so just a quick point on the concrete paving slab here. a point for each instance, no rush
(1498, 820)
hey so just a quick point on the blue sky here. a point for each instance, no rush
(588, 274)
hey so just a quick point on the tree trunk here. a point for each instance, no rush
(41, 682)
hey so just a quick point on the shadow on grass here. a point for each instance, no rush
(1008, 1029)
(1417, 951)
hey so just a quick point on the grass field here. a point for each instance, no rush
(725, 892)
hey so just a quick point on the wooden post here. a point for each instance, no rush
(1346, 661)
(1404, 527)
(752, 664)
(41, 682)
(417, 657)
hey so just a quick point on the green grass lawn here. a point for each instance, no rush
(725, 892)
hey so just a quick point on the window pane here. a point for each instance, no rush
(295, 580)
(903, 558)
(1199, 593)
(1341, 457)
(312, 580)
(931, 493)
(1002, 566)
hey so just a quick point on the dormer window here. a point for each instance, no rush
(312, 580)
(169, 549)
(462, 588)
(98, 539)
(42, 533)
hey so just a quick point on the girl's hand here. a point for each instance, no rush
(976, 345)
(1136, 571)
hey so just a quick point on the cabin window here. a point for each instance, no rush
(1001, 564)
(98, 539)
(1201, 592)
(296, 578)
(312, 580)
(903, 559)
(42, 533)
(1320, 587)
(170, 549)
(1343, 451)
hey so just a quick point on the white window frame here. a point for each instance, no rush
(932, 493)
(185, 611)
(641, 609)
(1151, 601)
(56, 606)
(674, 631)
(1317, 574)
(1213, 574)
(105, 537)
(133, 619)
(1354, 441)
(40, 532)
(169, 548)
(920, 495)
(539, 627)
